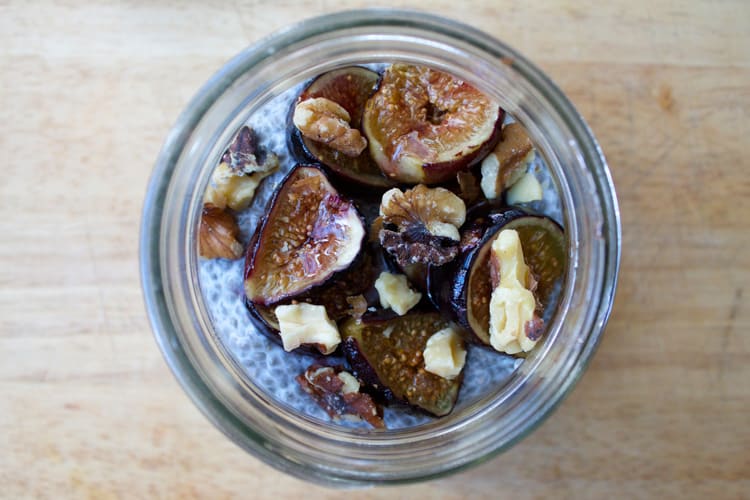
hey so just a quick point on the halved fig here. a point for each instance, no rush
(350, 88)
(464, 289)
(424, 125)
(386, 353)
(310, 235)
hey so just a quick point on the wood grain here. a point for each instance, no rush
(88, 409)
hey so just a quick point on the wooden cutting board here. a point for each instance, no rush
(88, 408)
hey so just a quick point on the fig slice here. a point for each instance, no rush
(309, 235)
(386, 353)
(424, 125)
(350, 88)
(464, 289)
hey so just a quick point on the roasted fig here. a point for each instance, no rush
(424, 125)
(310, 235)
(349, 88)
(338, 393)
(387, 354)
(464, 288)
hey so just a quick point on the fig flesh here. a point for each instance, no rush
(310, 235)
(464, 288)
(386, 353)
(350, 88)
(424, 125)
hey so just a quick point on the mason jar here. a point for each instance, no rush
(321, 451)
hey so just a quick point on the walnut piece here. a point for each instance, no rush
(325, 121)
(507, 163)
(527, 189)
(514, 325)
(218, 234)
(421, 224)
(395, 293)
(243, 166)
(338, 393)
(444, 354)
(307, 324)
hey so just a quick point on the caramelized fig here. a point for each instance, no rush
(463, 289)
(424, 125)
(310, 235)
(387, 354)
(350, 88)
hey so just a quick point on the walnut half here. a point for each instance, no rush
(420, 225)
(325, 121)
(514, 324)
(218, 234)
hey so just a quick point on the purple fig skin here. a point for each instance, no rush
(448, 285)
(257, 242)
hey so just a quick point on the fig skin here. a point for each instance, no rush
(448, 285)
(257, 251)
(414, 168)
(350, 87)
(364, 364)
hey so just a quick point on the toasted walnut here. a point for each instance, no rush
(325, 121)
(218, 234)
(243, 166)
(514, 325)
(421, 224)
(338, 393)
(508, 162)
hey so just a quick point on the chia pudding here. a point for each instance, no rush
(371, 237)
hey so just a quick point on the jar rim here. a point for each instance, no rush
(159, 296)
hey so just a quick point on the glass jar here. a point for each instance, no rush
(335, 455)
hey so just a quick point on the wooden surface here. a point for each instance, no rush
(88, 408)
